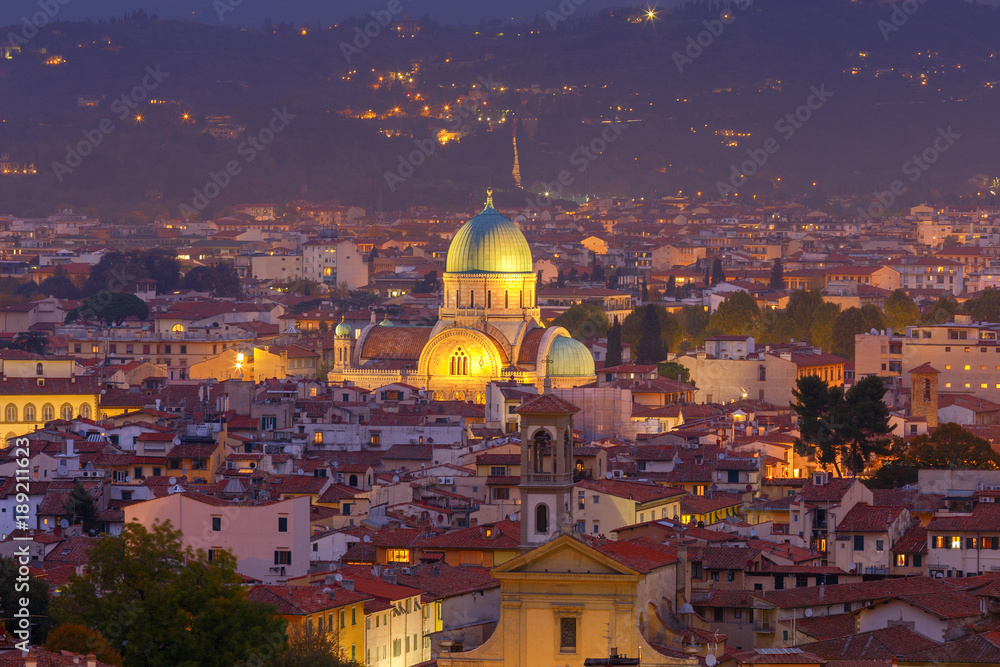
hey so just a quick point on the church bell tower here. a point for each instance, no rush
(546, 469)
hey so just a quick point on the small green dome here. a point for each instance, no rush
(569, 357)
(385, 322)
(343, 329)
(489, 243)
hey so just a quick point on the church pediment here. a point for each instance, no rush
(567, 555)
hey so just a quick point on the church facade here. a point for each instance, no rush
(489, 327)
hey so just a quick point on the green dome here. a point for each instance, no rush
(489, 243)
(569, 357)
(385, 322)
(343, 329)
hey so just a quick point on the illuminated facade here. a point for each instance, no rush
(487, 329)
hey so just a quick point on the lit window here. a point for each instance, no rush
(968, 367)
(947, 385)
(956, 542)
(398, 555)
(947, 367)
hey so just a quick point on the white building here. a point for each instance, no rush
(334, 262)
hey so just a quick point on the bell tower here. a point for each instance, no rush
(343, 346)
(546, 469)
(924, 393)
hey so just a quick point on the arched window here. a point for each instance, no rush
(458, 298)
(472, 299)
(460, 362)
(38, 369)
(520, 298)
(177, 328)
(489, 299)
(48, 412)
(29, 413)
(66, 412)
(541, 518)
(927, 389)
(10, 414)
(85, 411)
(352, 480)
(506, 299)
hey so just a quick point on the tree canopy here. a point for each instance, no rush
(739, 315)
(583, 321)
(777, 281)
(671, 332)
(900, 311)
(82, 640)
(842, 429)
(112, 308)
(38, 601)
(160, 604)
(949, 447)
(219, 279)
(81, 509)
(650, 349)
(614, 354)
(851, 322)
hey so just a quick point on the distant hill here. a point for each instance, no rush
(696, 113)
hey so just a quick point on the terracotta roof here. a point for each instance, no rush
(548, 404)
(865, 518)
(640, 493)
(508, 536)
(706, 505)
(876, 644)
(724, 558)
(784, 656)
(18, 386)
(528, 354)
(498, 460)
(832, 491)
(913, 541)
(981, 649)
(395, 343)
(825, 627)
(641, 554)
(911, 499)
(946, 605)
(303, 600)
(441, 580)
(857, 592)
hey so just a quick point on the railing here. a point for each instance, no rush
(763, 626)
(547, 478)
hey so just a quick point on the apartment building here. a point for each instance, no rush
(964, 352)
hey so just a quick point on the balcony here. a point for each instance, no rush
(547, 478)
(764, 627)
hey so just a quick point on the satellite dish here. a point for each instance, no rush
(395, 478)
(367, 538)
(327, 590)
(686, 608)
(339, 577)
(711, 660)
(172, 481)
(608, 475)
(809, 613)
(512, 517)
(715, 487)
(64, 523)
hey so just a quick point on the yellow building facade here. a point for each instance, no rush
(35, 390)
(488, 328)
(561, 604)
